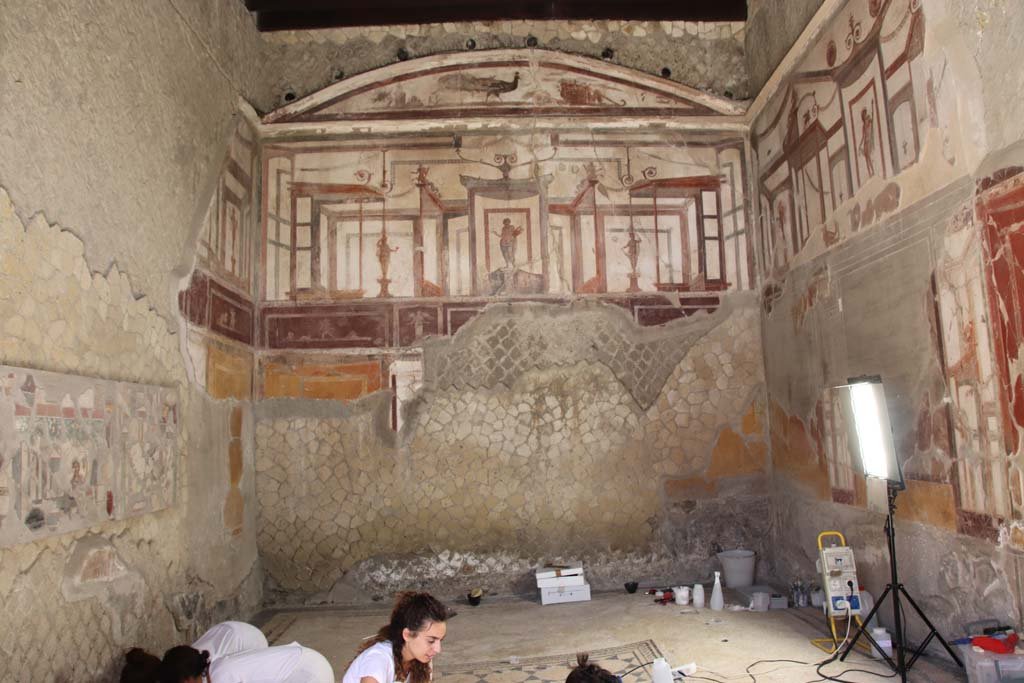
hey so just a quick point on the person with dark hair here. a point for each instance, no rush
(184, 664)
(590, 673)
(139, 666)
(404, 648)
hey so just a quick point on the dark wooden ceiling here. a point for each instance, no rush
(279, 15)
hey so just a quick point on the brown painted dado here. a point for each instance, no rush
(388, 324)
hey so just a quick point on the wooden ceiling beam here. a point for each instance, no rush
(278, 15)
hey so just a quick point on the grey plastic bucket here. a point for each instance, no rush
(738, 567)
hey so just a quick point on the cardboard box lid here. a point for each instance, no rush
(573, 580)
(553, 570)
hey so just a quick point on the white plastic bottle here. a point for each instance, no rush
(698, 595)
(884, 641)
(661, 672)
(717, 600)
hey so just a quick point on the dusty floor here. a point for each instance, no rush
(519, 631)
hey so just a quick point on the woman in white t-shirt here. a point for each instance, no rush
(405, 647)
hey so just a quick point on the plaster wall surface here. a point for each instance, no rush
(771, 29)
(557, 461)
(116, 118)
(988, 32)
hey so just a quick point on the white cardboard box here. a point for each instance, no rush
(558, 571)
(574, 580)
(550, 596)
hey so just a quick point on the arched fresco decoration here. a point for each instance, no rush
(501, 83)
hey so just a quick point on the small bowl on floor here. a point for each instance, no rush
(475, 596)
(631, 586)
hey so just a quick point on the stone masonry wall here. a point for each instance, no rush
(559, 460)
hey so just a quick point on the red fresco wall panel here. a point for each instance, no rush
(417, 322)
(1001, 213)
(193, 301)
(230, 314)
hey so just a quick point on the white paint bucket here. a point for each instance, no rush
(738, 567)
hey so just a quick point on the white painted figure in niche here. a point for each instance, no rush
(867, 140)
(508, 237)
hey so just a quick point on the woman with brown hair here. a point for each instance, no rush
(404, 648)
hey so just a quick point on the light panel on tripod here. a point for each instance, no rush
(874, 431)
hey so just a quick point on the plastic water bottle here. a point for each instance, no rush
(661, 672)
(698, 595)
(717, 600)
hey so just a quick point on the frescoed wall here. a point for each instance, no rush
(885, 248)
(547, 284)
(374, 242)
(850, 117)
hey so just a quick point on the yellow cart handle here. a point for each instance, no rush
(826, 534)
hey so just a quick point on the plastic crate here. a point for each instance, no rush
(989, 667)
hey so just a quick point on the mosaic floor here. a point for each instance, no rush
(516, 639)
(552, 668)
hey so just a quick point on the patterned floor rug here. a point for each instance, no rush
(552, 668)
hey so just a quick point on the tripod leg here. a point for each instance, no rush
(933, 631)
(863, 629)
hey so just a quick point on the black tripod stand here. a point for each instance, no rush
(897, 592)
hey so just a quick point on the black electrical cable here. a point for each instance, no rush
(771, 661)
(638, 666)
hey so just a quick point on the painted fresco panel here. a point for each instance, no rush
(847, 116)
(225, 244)
(325, 327)
(1002, 213)
(230, 314)
(502, 215)
(78, 451)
